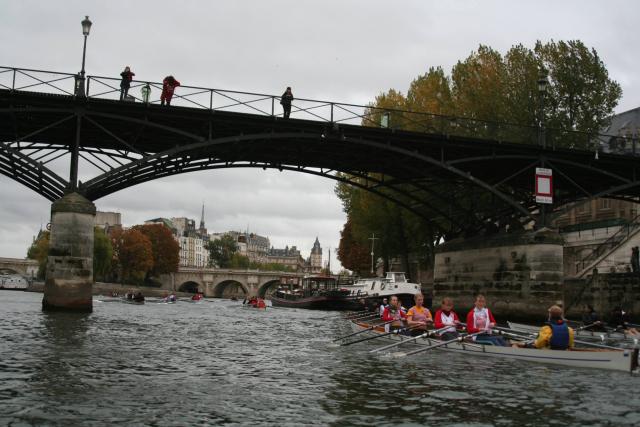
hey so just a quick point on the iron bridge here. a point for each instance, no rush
(441, 168)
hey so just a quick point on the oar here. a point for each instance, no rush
(397, 331)
(440, 344)
(364, 330)
(425, 335)
(364, 318)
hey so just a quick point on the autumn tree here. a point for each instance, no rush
(165, 249)
(221, 251)
(134, 254)
(352, 254)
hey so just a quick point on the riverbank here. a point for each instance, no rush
(101, 288)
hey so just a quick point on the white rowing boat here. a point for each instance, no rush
(582, 334)
(625, 360)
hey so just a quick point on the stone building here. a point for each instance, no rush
(289, 257)
(251, 245)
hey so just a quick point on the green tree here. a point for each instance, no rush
(221, 251)
(102, 254)
(240, 261)
(39, 251)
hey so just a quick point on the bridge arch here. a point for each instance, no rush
(266, 289)
(230, 288)
(6, 270)
(191, 287)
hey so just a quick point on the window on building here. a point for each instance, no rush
(605, 204)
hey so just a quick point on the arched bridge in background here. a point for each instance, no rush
(221, 283)
(440, 168)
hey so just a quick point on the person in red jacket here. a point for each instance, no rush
(480, 319)
(447, 318)
(169, 85)
(393, 312)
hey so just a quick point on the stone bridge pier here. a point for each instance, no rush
(222, 283)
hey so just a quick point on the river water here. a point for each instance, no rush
(215, 363)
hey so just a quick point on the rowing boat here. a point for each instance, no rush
(625, 360)
(582, 334)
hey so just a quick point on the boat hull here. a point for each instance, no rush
(625, 360)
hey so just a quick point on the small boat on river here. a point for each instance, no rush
(316, 293)
(371, 291)
(625, 360)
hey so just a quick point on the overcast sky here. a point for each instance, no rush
(341, 50)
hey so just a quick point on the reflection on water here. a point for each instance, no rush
(216, 363)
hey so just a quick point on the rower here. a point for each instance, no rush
(619, 321)
(383, 306)
(480, 319)
(419, 316)
(554, 335)
(445, 316)
(393, 312)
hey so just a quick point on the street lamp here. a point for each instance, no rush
(86, 27)
(543, 82)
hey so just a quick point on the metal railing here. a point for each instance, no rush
(22, 79)
(619, 236)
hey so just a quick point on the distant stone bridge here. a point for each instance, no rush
(222, 283)
(25, 267)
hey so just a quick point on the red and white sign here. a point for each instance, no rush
(544, 185)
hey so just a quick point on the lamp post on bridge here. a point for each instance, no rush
(543, 83)
(544, 186)
(86, 28)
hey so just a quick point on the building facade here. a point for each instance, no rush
(315, 258)
(289, 257)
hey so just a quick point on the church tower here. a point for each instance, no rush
(315, 260)
(202, 230)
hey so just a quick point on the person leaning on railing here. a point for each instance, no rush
(125, 83)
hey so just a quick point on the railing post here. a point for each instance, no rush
(211, 99)
(331, 113)
(273, 105)
(88, 83)
(13, 85)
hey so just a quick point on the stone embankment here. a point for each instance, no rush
(100, 288)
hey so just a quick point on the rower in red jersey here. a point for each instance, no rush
(393, 312)
(447, 318)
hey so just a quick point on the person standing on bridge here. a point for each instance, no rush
(285, 101)
(169, 85)
(125, 83)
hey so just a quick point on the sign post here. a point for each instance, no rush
(544, 191)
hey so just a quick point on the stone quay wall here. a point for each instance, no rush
(521, 275)
(604, 292)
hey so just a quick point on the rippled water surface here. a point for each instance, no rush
(215, 363)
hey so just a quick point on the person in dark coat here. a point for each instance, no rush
(125, 83)
(285, 101)
(169, 85)
(635, 260)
